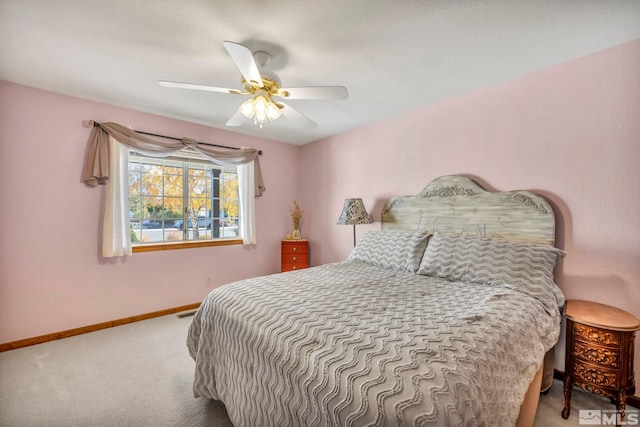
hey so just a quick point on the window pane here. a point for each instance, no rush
(174, 207)
(134, 178)
(229, 228)
(173, 185)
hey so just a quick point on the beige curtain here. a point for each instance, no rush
(96, 168)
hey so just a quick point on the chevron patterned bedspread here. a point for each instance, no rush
(351, 344)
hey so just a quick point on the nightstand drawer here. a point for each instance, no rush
(295, 248)
(595, 375)
(295, 258)
(602, 356)
(293, 266)
(596, 335)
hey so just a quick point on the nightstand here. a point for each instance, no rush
(294, 255)
(599, 353)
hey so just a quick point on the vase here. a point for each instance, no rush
(295, 235)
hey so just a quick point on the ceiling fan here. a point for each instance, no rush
(263, 85)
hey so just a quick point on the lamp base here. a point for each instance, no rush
(354, 235)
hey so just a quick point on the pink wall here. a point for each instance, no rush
(52, 277)
(570, 132)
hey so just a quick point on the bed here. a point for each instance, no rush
(441, 318)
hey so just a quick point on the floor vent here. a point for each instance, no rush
(183, 315)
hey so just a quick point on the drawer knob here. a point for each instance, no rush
(294, 267)
(295, 258)
(295, 249)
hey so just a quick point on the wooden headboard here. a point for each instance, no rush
(457, 205)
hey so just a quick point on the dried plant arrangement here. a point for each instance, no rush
(297, 213)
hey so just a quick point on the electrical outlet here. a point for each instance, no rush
(207, 281)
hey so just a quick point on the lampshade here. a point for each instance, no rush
(354, 212)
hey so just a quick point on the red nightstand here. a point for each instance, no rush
(294, 255)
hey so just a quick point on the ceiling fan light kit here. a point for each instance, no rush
(261, 109)
(263, 84)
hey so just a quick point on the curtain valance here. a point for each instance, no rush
(96, 167)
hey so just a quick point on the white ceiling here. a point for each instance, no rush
(393, 56)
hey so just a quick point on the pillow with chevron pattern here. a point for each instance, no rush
(481, 260)
(400, 250)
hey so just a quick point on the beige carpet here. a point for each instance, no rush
(140, 375)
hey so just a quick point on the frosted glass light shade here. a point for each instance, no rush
(260, 108)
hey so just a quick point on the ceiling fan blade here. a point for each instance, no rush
(243, 58)
(314, 92)
(295, 116)
(236, 120)
(193, 86)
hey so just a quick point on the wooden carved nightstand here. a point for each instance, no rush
(294, 255)
(599, 353)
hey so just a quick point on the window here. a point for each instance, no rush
(180, 199)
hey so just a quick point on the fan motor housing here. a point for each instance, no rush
(270, 84)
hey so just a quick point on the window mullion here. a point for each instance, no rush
(215, 202)
(185, 200)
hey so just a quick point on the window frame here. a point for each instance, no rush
(187, 159)
(164, 246)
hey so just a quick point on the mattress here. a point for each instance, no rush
(354, 344)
